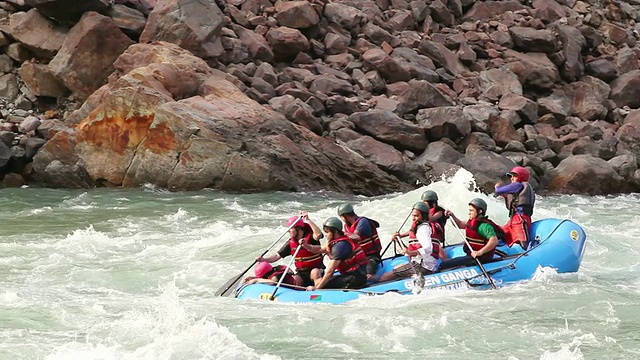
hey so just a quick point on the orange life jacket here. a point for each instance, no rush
(414, 244)
(476, 241)
(370, 245)
(357, 258)
(305, 260)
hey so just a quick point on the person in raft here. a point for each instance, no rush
(309, 265)
(266, 273)
(481, 233)
(346, 256)
(437, 219)
(423, 249)
(519, 199)
(362, 230)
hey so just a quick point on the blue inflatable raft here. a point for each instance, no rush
(557, 244)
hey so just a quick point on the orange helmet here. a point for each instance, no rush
(520, 173)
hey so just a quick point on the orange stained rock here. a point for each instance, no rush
(160, 138)
(116, 133)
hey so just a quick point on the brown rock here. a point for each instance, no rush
(533, 69)
(527, 109)
(86, 57)
(548, 10)
(257, 45)
(589, 97)
(586, 174)
(444, 122)
(40, 80)
(67, 10)
(377, 59)
(343, 15)
(502, 131)
(286, 42)
(531, 40)
(500, 82)
(602, 69)
(488, 9)
(572, 44)
(296, 14)
(417, 94)
(442, 56)
(385, 156)
(39, 34)
(129, 20)
(625, 90)
(389, 128)
(192, 25)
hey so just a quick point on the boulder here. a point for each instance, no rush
(192, 25)
(296, 14)
(389, 128)
(86, 57)
(171, 120)
(67, 11)
(587, 174)
(444, 122)
(625, 90)
(39, 34)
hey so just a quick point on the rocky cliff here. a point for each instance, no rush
(357, 96)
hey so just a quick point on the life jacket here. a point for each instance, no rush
(525, 200)
(357, 259)
(437, 227)
(414, 244)
(476, 241)
(370, 245)
(278, 271)
(305, 260)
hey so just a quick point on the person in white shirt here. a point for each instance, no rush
(423, 250)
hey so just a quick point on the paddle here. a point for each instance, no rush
(284, 274)
(484, 271)
(234, 280)
(394, 245)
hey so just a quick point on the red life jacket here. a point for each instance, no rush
(305, 260)
(476, 241)
(278, 271)
(357, 259)
(370, 245)
(414, 244)
(437, 227)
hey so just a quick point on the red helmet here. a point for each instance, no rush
(296, 221)
(263, 269)
(520, 173)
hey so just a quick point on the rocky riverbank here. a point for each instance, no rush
(355, 96)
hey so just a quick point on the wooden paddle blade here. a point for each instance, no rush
(232, 283)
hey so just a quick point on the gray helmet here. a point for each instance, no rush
(429, 196)
(422, 207)
(345, 209)
(333, 222)
(479, 204)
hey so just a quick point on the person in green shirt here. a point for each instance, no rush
(481, 233)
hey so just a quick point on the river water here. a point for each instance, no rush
(130, 274)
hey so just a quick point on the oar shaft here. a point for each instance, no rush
(484, 271)
(256, 260)
(399, 229)
(284, 274)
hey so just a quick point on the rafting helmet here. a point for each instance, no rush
(479, 204)
(429, 196)
(422, 207)
(521, 174)
(295, 221)
(333, 223)
(345, 209)
(263, 269)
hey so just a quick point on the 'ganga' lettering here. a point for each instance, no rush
(459, 275)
